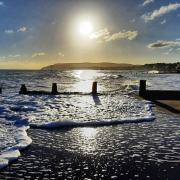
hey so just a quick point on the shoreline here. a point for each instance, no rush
(125, 152)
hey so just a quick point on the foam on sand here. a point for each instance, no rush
(21, 112)
(61, 124)
(13, 139)
(79, 110)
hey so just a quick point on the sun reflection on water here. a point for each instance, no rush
(88, 133)
(88, 140)
(85, 80)
(86, 74)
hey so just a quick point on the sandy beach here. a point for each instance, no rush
(174, 104)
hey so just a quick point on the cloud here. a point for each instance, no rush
(9, 31)
(169, 51)
(14, 56)
(146, 2)
(61, 54)
(164, 44)
(163, 21)
(130, 35)
(105, 36)
(10, 57)
(38, 54)
(160, 12)
(2, 58)
(1, 3)
(103, 33)
(22, 29)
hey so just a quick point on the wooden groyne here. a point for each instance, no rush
(54, 90)
(157, 94)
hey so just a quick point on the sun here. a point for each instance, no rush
(85, 28)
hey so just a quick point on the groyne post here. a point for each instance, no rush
(142, 88)
(54, 88)
(23, 89)
(94, 87)
(0, 90)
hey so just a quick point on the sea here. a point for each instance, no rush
(115, 125)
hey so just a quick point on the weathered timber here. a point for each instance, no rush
(54, 91)
(94, 88)
(157, 94)
(23, 89)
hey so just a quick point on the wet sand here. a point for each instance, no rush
(175, 104)
(46, 163)
(127, 151)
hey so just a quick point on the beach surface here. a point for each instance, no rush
(112, 135)
(174, 104)
(142, 151)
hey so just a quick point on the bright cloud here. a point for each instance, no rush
(160, 12)
(105, 36)
(22, 29)
(38, 54)
(9, 31)
(164, 44)
(146, 2)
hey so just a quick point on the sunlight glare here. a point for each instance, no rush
(88, 132)
(86, 74)
(85, 80)
(85, 28)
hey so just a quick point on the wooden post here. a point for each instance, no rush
(94, 88)
(0, 90)
(54, 88)
(23, 89)
(142, 88)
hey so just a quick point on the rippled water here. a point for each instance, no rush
(152, 142)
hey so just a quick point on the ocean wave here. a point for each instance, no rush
(76, 109)
(92, 123)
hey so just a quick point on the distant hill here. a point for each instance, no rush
(162, 67)
(97, 66)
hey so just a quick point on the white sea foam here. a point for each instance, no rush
(18, 112)
(91, 123)
(13, 138)
(77, 110)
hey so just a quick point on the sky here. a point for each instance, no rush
(37, 33)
